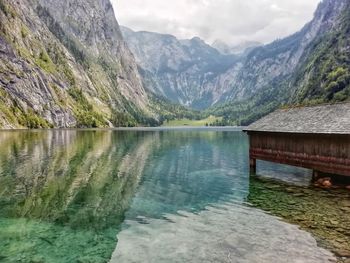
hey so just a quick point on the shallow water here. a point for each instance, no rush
(180, 195)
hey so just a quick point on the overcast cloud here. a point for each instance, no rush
(233, 21)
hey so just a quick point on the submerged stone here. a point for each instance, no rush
(342, 253)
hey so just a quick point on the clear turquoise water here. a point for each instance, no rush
(139, 196)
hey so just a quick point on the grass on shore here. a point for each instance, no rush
(197, 123)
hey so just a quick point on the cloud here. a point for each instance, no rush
(233, 21)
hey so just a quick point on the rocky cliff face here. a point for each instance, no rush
(324, 71)
(65, 64)
(177, 69)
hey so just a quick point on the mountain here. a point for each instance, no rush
(177, 69)
(65, 64)
(308, 67)
(227, 49)
(267, 67)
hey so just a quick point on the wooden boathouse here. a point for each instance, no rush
(316, 138)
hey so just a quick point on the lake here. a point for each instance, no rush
(152, 195)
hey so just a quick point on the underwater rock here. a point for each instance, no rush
(324, 182)
(345, 203)
(342, 253)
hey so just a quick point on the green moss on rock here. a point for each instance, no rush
(7, 9)
(24, 31)
(45, 62)
(86, 116)
(33, 121)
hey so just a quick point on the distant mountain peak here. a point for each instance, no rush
(243, 47)
(198, 40)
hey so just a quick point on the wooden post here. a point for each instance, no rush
(315, 175)
(252, 164)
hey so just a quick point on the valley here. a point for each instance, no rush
(209, 121)
(58, 71)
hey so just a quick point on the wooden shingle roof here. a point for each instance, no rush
(323, 119)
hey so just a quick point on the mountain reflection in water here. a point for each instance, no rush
(143, 196)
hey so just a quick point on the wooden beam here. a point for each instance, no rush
(319, 163)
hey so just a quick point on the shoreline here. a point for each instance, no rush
(159, 128)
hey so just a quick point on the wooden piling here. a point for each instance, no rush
(315, 175)
(252, 164)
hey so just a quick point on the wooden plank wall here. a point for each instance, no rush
(320, 152)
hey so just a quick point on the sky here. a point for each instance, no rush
(231, 21)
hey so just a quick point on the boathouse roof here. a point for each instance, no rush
(323, 119)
